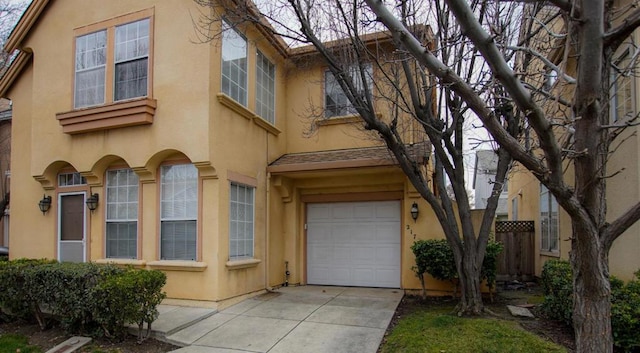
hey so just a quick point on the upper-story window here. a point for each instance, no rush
(336, 102)
(112, 64)
(234, 64)
(265, 88)
(622, 87)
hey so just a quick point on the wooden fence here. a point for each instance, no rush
(516, 262)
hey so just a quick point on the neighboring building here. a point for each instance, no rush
(484, 176)
(530, 200)
(194, 156)
(5, 170)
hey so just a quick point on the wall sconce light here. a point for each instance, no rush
(45, 204)
(414, 211)
(92, 202)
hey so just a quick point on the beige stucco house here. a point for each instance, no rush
(134, 144)
(529, 200)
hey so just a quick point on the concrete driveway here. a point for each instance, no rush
(309, 319)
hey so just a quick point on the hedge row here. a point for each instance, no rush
(625, 303)
(435, 257)
(85, 297)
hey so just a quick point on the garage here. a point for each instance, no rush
(354, 244)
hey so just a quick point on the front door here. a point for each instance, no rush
(71, 227)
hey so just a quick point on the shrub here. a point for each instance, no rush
(129, 298)
(86, 297)
(558, 290)
(16, 300)
(435, 257)
(625, 303)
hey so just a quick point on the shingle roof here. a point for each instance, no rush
(345, 158)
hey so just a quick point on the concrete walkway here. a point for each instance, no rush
(310, 319)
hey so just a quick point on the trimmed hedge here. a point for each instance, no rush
(625, 303)
(85, 297)
(435, 257)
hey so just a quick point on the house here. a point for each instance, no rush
(484, 173)
(135, 145)
(529, 200)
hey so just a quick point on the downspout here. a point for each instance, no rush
(267, 211)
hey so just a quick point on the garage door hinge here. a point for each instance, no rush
(305, 226)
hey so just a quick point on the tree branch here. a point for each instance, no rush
(616, 36)
(617, 227)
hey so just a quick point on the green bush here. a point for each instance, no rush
(625, 303)
(16, 300)
(129, 298)
(435, 257)
(85, 297)
(558, 290)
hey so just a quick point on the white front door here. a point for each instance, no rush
(354, 244)
(71, 227)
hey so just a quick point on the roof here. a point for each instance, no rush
(345, 158)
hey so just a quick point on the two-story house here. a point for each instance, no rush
(134, 144)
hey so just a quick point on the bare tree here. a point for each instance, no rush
(589, 40)
(545, 128)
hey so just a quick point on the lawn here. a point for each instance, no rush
(431, 328)
(10, 343)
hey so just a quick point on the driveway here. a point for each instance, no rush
(310, 319)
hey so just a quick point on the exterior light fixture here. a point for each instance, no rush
(45, 204)
(414, 211)
(92, 202)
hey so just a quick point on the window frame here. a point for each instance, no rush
(110, 27)
(107, 220)
(547, 229)
(194, 218)
(350, 109)
(252, 188)
(245, 102)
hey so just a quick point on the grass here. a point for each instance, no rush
(9, 343)
(434, 330)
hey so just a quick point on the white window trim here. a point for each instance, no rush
(107, 220)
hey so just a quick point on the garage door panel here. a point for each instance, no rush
(386, 233)
(321, 212)
(354, 244)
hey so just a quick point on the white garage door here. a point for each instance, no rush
(354, 244)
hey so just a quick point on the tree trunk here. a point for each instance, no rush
(591, 304)
(469, 283)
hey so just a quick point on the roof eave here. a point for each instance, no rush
(22, 29)
(18, 64)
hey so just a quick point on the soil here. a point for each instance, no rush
(51, 337)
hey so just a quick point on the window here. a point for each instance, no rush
(91, 59)
(550, 78)
(265, 88)
(98, 64)
(622, 88)
(241, 222)
(131, 62)
(178, 212)
(71, 179)
(336, 102)
(234, 64)
(122, 214)
(548, 220)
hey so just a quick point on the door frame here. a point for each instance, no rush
(84, 223)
